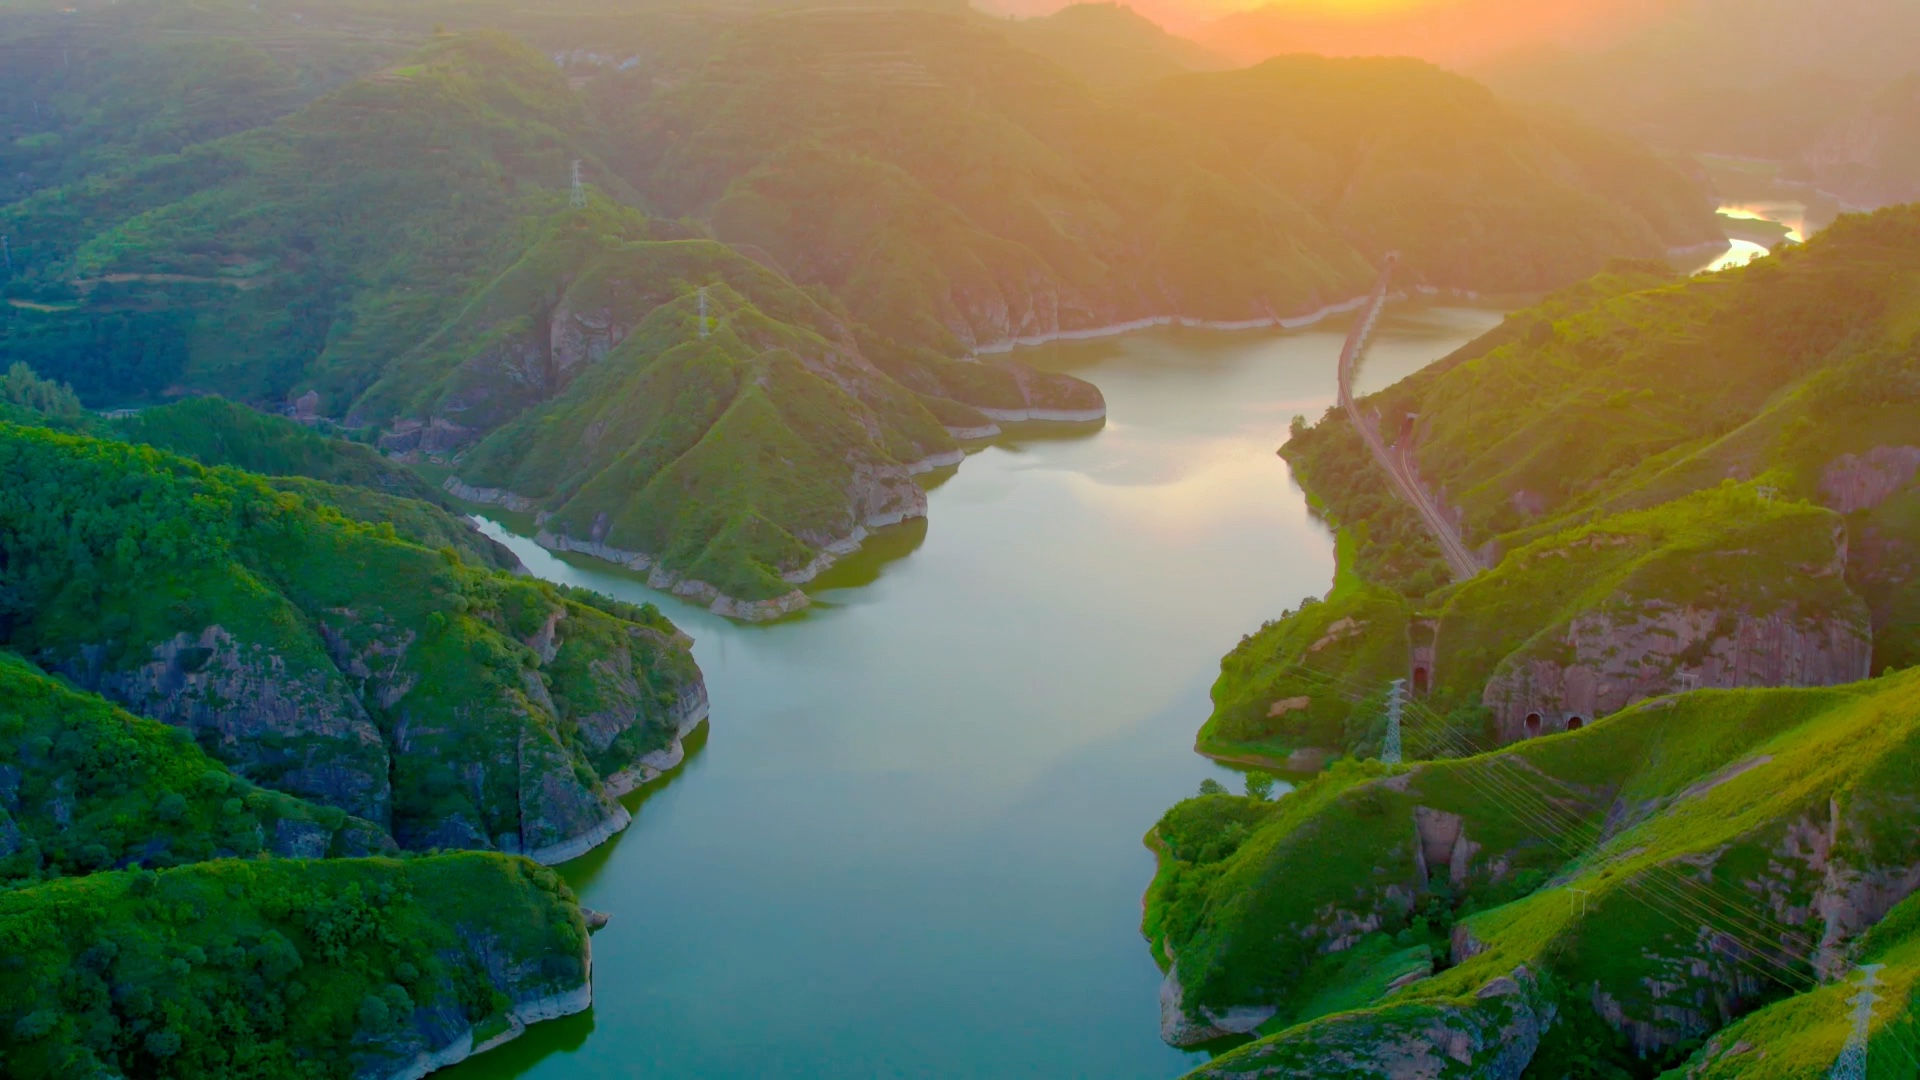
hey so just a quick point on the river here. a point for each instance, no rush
(910, 843)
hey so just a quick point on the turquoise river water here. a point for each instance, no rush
(910, 843)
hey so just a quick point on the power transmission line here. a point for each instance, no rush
(1504, 785)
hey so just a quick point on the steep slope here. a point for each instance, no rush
(1612, 895)
(1397, 155)
(678, 407)
(439, 295)
(85, 786)
(1111, 45)
(1870, 155)
(289, 968)
(1708, 483)
(1805, 1034)
(241, 968)
(324, 658)
(353, 478)
(960, 192)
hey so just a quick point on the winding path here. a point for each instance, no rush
(1460, 559)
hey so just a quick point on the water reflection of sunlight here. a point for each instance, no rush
(1792, 215)
(1739, 253)
(1211, 482)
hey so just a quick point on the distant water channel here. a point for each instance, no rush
(910, 845)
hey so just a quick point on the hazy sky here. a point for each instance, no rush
(1445, 30)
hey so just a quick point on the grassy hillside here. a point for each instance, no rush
(75, 104)
(327, 658)
(1804, 1034)
(907, 185)
(1039, 206)
(1111, 46)
(1675, 483)
(353, 478)
(1397, 155)
(332, 232)
(445, 295)
(283, 968)
(85, 786)
(956, 190)
(1601, 899)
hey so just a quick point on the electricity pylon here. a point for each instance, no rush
(1853, 1058)
(579, 187)
(1396, 697)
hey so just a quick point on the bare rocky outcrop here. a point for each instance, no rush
(409, 439)
(1182, 1027)
(436, 1039)
(1442, 841)
(689, 713)
(299, 731)
(486, 496)
(1493, 1036)
(1853, 482)
(1604, 661)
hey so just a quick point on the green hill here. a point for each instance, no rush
(412, 217)
(958, 191)
(1676, 485)
(330, 233)
(85, 786)
(1041, 208)
(314, 969)
(1396, 155)
(329, 659)
(1602, 900)
(900, 188)
(353, 478)
(1111, 46)
(262, 963)
(1700, 483)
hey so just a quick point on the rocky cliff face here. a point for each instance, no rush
(296, 728)
(314, 735)
(1604, 661)
(1854, 482)
(436, 1038)
(459, 707)
(1491, 1035)
(1664, 873)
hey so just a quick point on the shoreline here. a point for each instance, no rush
(661, 579)
(649, 768)
(1287, 322)
(654, 765)
(519, 1017)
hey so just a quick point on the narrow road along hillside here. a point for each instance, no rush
(1459, 559)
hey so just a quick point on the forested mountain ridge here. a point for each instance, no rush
(397, 247)
(1586, 447)
(127, 950)
(1397, 155)
(1677, 485)
(1597, 902)
(900, 187)
(1029, 178)
(328, 659)
(319, 969)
